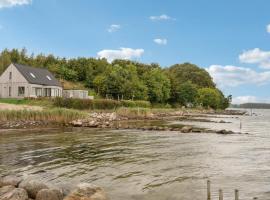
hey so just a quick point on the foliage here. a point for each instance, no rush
(125, 79)
(158, 85)
(211, 97)
(186, 93)
(97, 104)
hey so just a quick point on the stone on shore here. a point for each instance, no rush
(87, 191)
(6, 189)
(49, 194)
(224, 132)
(77, 123)
(10, 180)
(186, 129)
(12, 193)
(32, 187)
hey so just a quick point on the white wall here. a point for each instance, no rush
(17, 80)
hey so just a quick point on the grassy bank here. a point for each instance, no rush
(57, 115)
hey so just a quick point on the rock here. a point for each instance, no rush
(6, 189)
(186, 129)
(32, 187)
(49, 194)
(10, 180)
(196, 130)
(87, 191)
(112, 117)
(224, 132)
(12, 193)
(77, 123)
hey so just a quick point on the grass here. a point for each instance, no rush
(57, 115)
(43, 102)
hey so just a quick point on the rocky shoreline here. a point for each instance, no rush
(15, 188)
(115, 121)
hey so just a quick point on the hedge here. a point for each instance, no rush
(90, 104)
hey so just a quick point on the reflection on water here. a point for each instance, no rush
(147, 164)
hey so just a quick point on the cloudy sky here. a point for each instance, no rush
(230, 39)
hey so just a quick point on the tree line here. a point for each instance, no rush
(178, 85)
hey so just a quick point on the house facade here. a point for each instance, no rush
(20, 81)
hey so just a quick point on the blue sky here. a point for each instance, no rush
(229, 38)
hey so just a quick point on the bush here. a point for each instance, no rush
(143, 104)
(128, 103)
(87, 104)
(105, 104)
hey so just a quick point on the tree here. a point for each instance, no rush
(186, 94)
(209, 97)
(158, 85)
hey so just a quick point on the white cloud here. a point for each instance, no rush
(114, 28)
(256, 56)
(233, 76)
(162, 17)
(244, 99)
(160, 41)
(11, 3)
(122, 53)
(268, 28)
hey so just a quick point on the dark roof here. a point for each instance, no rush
(36, 75)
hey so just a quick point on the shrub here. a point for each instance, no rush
(87, 104)
(105, 104)
(143, 104)
(128, 103)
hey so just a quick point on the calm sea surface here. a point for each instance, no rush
(148, 164)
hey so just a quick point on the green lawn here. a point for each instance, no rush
(34, 102)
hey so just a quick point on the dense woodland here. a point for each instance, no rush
(178, 85)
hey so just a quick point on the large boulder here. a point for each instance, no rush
(6, 189)
(10, 180)
(32, 187)
(12, 193)
(87, 191)
(49, 194)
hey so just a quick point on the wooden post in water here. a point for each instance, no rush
(236, 194)
(208, 191)
(220, 194)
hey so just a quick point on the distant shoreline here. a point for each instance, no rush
(252, 105)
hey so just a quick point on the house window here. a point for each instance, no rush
(38, 92)
(10, 75)
(21, 91)
(32, 75)
(47, 92)
(49, 78)
(9, 91)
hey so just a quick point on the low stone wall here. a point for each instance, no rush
(15, 188)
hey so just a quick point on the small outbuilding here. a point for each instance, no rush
(78, 94)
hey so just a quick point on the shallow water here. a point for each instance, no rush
(154, 165)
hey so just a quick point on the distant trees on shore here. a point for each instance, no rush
(179, 85)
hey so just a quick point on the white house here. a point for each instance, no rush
(19, 81)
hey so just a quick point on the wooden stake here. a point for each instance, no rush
(220, 194)
(236, 194)
(208, 191)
